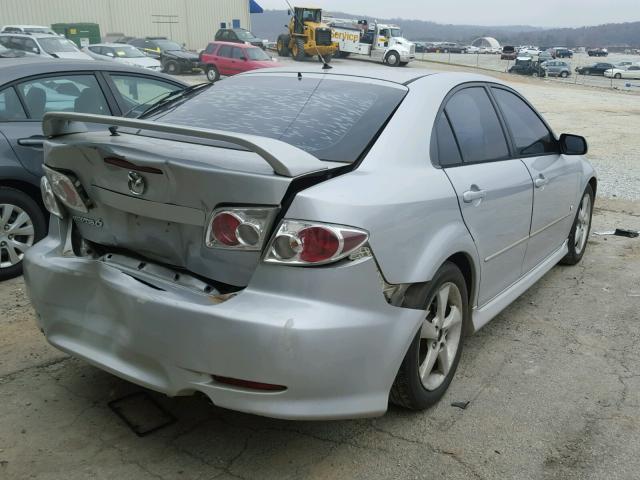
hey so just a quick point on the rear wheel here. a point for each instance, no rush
(580, 230)
(283, 45)
(393, 59)
(213, 75)
(298, 50)
(172, 67)
(431, 361)
(22, 223)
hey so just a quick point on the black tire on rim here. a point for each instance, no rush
(432, 358)
(22, 224)
(298, 53)
(564, 74)
(579, 235)
(618, 76)
(172, 67)
(283, 45)
(213, 75)
(393, 59)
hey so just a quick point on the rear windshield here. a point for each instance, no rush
(332, 119)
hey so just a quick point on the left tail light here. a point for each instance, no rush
(68, 189)
(303, 243)
(242, 228)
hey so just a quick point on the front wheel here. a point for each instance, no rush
(22, 223)
(431, 361)
(579, 234)
(298, 50)
(564, 74)
(283, 45)
(213, 75)
(618, 76)
(393, 59)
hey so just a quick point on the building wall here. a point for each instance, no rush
(198, 20)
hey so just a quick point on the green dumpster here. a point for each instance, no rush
(82, 34)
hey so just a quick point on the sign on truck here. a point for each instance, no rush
(379, 42)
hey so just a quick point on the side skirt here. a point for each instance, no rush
(483, 315)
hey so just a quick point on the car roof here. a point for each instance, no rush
(110, 44)
(15, 69)
(233, 44)
(403, 76)
(31, 35)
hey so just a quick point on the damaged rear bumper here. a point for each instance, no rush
(326, 334)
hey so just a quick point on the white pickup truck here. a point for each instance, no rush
(383, 43)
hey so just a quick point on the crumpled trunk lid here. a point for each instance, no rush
(165, 221)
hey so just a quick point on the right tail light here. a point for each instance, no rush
(303, 243)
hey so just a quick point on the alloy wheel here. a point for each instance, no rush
(440, 336)
(583, 224)
(17, 234)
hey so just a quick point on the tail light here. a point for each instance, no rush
(68, 189)
(239, 228)
(49, 198)
(305, 243)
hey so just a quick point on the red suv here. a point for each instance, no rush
(226, 58)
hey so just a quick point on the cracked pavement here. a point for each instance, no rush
(554, 386)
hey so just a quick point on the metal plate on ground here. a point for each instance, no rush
(141, 413)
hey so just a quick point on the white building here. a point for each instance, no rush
(193, 22)
(486, 42)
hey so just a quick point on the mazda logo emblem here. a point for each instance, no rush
(136, 182)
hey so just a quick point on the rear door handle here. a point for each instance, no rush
(474, 194)
(541, 181)
(36, 141)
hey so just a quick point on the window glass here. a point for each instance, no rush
(137, 91)
(333, 120)
(476, 126)
(237, 53)
(530, 134)
(210, 48)
(448, 153)
(57, 45)
(225, 51)
(73, 93)
(257, 54)
(10, 106)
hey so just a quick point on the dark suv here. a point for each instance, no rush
(174, 57)
(238, 35)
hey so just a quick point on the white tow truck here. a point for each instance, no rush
(379, 42)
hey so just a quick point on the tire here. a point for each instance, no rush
(618, 76)
(535, 74)
(579, 235)
(213, 75)
(298, 50)
(392, 59)
(171, 67)
(564, 74)
(283, 45)
(17, 205)
(415, 390)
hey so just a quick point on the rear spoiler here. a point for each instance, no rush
(285, 159)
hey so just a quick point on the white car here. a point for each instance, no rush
(27, 29)
(42, 44)
(533, 51)
(632, 72)
(122, 53)
(472, 49)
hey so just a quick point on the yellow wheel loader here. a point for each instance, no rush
(307, 36)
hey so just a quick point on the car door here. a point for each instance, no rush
(494, 190)
(60, 92)
(239, 60)
(556, 177)
(632, 72)
(223, 60)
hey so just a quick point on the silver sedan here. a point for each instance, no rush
(303, 244)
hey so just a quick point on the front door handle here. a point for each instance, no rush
(541, 181)
(473, 194)
(37, 141)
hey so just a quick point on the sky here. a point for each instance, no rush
(543, 13)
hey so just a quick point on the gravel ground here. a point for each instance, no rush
(553, 384)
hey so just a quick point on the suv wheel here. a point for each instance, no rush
(431, 361)
(172, 67)
(213, 75)
(22, 223)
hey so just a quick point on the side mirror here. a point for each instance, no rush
(573, 144)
